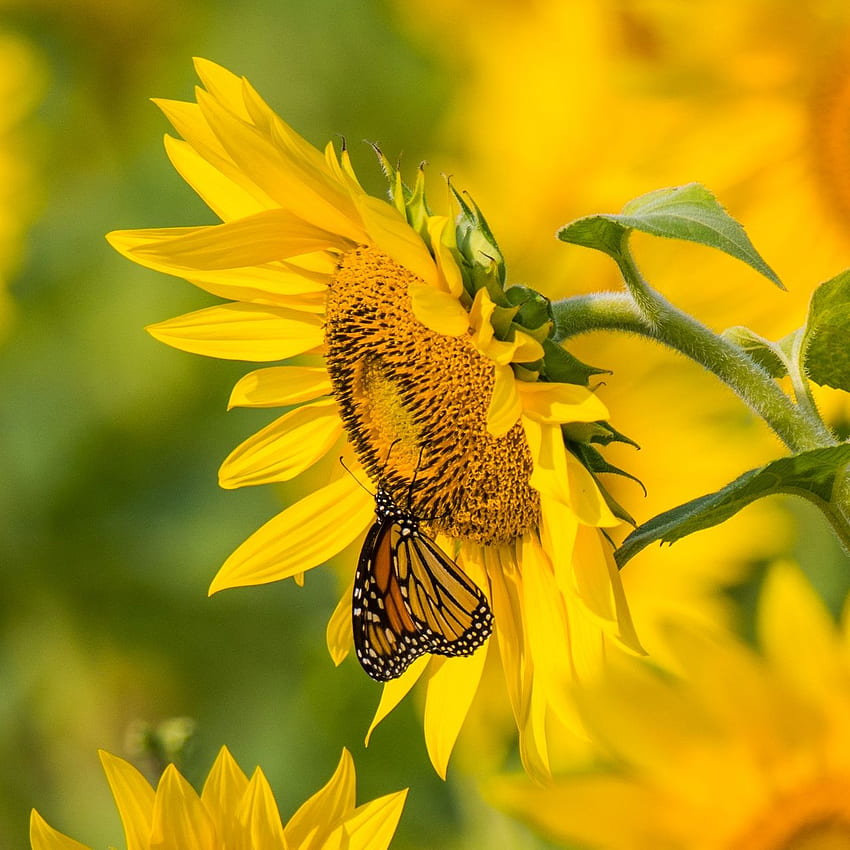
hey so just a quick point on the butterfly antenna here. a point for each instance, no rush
(413, 480)
(356, 479)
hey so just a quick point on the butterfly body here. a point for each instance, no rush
(410, 597)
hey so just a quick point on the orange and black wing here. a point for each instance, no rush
(410, 598)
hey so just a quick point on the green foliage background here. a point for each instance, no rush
(111, 521)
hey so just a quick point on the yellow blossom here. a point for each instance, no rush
(404, 373)
(731, 750)
(233, 812)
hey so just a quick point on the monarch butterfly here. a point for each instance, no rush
(410, 598)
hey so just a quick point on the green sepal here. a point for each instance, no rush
(562, 367)
(687, 212)
(526, 372)
(810, 474)
(478, 254)
(601, 432)
(594, 461)
(411, 203)
(502, 321)
(615, 507)
(769, 355)
(825, 349)
(535, 310)
(541, 334)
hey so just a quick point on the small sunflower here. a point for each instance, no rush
(739, 751)
(417, 367)
(233, 812)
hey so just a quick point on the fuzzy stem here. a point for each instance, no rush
(659, 320)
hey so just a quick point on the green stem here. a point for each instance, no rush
(802, 391)
(657, 319)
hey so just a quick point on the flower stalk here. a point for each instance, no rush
(644, 311)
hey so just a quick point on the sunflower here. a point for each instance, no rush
(233, 812)
(737, 750)
(415, 368)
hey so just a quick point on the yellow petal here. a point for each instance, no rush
(228, 198)
(440, 230)
(546, 629)
(45, 837)
(526, 348)
(242, 332)
(222, 84)
(338, 635)
(552, 403)
(600, 587)
(396, 690)
(301, 153)
(372, 825)
(325, 809)
(260, 238)
(798, 635)
(293, 181)
(484, 336)
(437, 310)
(285, 448)
(180, 820)
(533, 743)
(277, 386)
(588, 650)
(479, 319)
(505, 405)
(260, 816)
(549, 475)
(222, 794)
(275, 284)
(396, 238)
(188, 120)
(585, 497)
(278, 283)
(558, 529)
(452, 684)
(134, 799)
(303, 536)
(505, 593)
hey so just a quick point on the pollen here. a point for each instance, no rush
(414, 405)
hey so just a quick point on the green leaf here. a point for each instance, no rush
(826, 354)
(810, 474)
(769, 355)
(687, 212)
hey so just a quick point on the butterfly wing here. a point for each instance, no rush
(386, 638)
(451, 612)
(410, 598)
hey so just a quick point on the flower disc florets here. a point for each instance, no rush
(414, 404)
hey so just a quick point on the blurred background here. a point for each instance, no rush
(111, 522)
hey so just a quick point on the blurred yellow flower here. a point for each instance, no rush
(733, 751)
(235, 813)
(410, 377)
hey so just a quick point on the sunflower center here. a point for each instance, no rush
(414, 404)
(815, 818)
